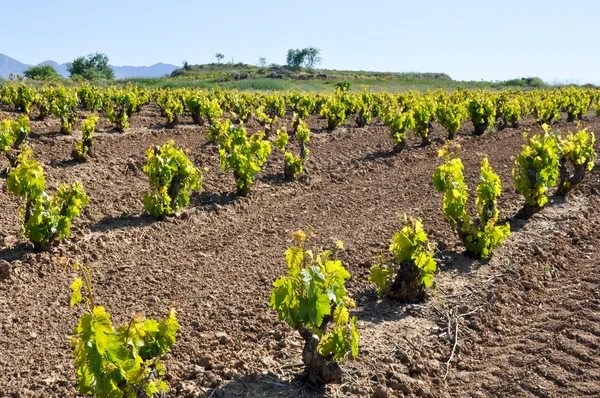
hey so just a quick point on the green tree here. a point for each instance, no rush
(262, 62)
(219, 57)
(93, 67)
(295, 58)
(312, 57)
(41, 72)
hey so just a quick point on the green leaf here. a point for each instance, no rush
(76, 296)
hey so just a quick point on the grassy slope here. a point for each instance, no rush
(248, 77)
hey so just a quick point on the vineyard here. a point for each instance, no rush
(195, 242)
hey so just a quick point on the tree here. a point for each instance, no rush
(94, 66)
(41, 72)
(262, 62)
(219, 57)
(312, 57)
(186, 65)
(295, 58)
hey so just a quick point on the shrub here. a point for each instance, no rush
(47, 219)
(482, 112)
(41, 72)
(12, 137)
(399, 122)
(577, 153)
(172, 175)
(83, 147)
(537, 170)
(92, 67)
(294, 165)
(483, 236)
(64, 106)
(412, 270)
(242, 154)
(313, 300)
(122, 361)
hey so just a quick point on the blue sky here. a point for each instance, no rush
(469, 40)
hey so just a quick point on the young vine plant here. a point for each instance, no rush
(118, 361)
(313, 300)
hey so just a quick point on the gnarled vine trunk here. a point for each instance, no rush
(406, 287)
(319, 369)
(399, 147)
(567, 182)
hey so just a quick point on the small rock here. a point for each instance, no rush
(423, 392)
(380, 392)
(206, 363)
(216, 208)
(4, 269)
(527, 284)
(540, 253)
(222, 337)
(49, 380)
(461, 366)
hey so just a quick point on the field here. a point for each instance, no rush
(523, 324)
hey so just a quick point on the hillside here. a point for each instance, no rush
(10, 65)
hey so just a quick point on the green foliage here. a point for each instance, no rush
(90, 97)
(294, 165)
(25, 98)
(41, 72)
(578, 149)
(544, 108)
(410, 244)
(92, 67)
(484, 236)
(64, 106)
(450, 113)
(83, 147)
(313, 295)
(172, 175)
(242, 154)
(399, 122)
(335, 111)
(13, 133)
(172, 107)
(424, 107)
(537, 167)
(122, 361)
(482, 111)
(47, 218)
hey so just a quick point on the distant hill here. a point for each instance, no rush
(10, 65)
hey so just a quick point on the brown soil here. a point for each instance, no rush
(528, 322)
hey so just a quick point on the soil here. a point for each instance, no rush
(526, 323)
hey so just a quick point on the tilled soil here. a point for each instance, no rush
(525, 322)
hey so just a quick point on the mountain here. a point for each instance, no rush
(10, 65)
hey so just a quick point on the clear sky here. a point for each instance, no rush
(469, 40)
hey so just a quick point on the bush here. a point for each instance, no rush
(83, 147)
(482, 237)
(313, 300)
(577, 153)
(47, 219)
(537, 170)
(92, 67)
(172, 175)
(412, 270)
(12, 137)
(294, 165)
(42, 72)
(242, 154)
(123, 361)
